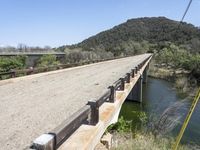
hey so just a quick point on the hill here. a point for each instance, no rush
(136, 35)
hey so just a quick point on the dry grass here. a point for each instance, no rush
(145, 142)
(160, 72)
(182, 86)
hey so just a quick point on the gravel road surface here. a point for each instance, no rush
(33, 105)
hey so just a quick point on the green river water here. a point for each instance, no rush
(157, 96)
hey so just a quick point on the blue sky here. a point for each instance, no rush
(59, 22)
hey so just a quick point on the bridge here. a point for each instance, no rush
(32, 57)
(72, 107)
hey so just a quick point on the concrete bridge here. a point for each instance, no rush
(73, 106)
(32, 57)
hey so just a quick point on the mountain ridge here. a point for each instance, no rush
(153, 30)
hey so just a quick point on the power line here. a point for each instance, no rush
(188, 6)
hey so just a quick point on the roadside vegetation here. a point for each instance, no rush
(78, 55)
(9, 63)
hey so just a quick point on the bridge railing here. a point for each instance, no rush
(88, 114)
(64, 130)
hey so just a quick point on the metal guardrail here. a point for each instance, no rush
(11, 74)
(64, 130)
(88, 114)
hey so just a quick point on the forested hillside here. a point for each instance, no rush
(141, 33)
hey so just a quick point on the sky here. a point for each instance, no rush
(59, 22)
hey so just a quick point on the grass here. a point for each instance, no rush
(160, 72)
(143, 141)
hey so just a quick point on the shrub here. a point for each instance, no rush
(9, 63)
(47, 60)
(121, 126)
(78, 55)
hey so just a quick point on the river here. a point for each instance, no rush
(157, 96)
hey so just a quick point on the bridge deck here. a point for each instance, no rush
(36, 104)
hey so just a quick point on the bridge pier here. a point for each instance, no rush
(145, 74)
(136, 92)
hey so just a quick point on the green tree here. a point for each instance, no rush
(15, 62)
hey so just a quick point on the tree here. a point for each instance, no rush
(22, 47)
(15, 62)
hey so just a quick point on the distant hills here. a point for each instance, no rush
(138, 35)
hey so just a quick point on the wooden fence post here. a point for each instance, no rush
(128, 80)
(94, 115)
(112, 94)
(133, 73)
(122, 84)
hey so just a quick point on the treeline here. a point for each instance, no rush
(78, 55)
(177, 57)
(25, 48)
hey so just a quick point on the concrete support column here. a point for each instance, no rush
(31, 60)
(145, 74)
(136, 92)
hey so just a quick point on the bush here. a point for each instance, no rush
(9, 63)
(178, 57)
(47, 60)
(121, 126)
(78, 55)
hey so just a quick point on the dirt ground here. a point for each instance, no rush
(33, 105)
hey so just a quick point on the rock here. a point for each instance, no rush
(107, 140)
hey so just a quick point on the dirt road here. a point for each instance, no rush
(33, 105)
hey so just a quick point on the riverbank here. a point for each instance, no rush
(142, 141)
(183, 82)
